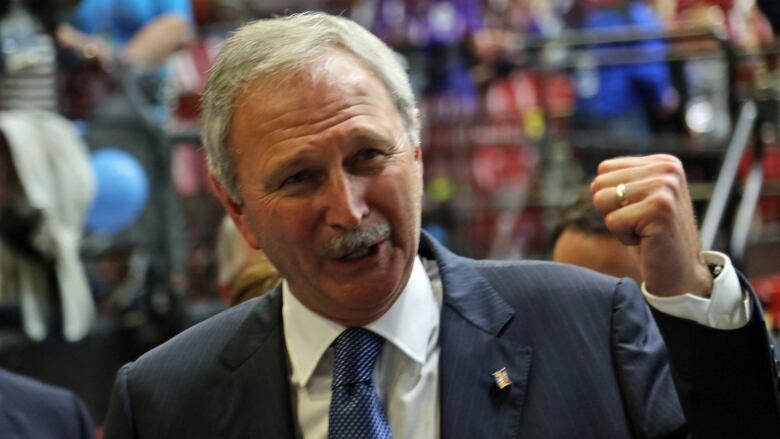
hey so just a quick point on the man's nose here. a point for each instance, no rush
(345, 201)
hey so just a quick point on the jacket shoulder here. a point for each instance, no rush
(197, 348)
(548, 280)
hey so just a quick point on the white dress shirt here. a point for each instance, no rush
(728, 307)
(406, 373)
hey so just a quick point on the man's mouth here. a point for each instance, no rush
(356, 244)
(361, 253)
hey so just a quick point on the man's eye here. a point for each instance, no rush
(298, 177)
(368, 154)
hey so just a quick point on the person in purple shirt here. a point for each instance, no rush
(422, 23)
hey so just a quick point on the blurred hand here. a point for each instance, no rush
(88, 47)
(656, 218)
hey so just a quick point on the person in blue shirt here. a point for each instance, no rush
(134, 32)
(617, 98)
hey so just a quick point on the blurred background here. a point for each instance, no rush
(111, 240)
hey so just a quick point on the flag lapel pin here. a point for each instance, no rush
(502, 378)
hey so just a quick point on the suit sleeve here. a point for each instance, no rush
(119, 419)
(642, 368)
(727, 380)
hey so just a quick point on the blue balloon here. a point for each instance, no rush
(122, 191)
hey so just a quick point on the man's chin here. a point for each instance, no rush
(361, 302)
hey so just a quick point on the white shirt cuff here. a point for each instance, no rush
(728, 307)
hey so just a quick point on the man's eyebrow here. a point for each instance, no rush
(368, 136)
(283, 165)
(372, 137)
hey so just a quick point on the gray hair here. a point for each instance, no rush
(280, 46)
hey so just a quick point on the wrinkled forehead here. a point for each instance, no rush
(322, 88)
(334, 66)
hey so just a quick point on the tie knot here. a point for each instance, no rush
(355, 354)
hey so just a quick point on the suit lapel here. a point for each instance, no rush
(472, 347)
(251, 395)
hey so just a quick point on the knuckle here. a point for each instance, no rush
(599, 205)
(669, 168)
(598, 181)
(675, 165)
(614, 223)
(669, 182)
(667, 158)
(663, 202)
(611, 223)
(599, 201)
(669, 176)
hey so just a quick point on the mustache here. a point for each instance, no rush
(354, 240)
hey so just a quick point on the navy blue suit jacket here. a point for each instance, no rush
(32, 410)
(582, 350)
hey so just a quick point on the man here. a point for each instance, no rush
(377, 330)
(582, 238)
(29, 409)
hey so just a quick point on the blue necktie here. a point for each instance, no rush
(355, 409)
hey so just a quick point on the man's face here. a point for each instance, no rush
(602, 253)
(331, 187)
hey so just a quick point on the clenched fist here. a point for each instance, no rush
(646, 205)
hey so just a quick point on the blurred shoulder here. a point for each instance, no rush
(24, 388)
(41, 410)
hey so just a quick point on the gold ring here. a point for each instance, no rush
(620, 191)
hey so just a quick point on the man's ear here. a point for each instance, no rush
(237, 213)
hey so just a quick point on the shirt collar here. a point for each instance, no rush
(407, 325)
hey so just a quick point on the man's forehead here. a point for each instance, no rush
(305, 106)
(334, 70)
(340, 85)
(285, 109)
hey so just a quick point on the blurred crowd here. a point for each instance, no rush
(106, 216)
